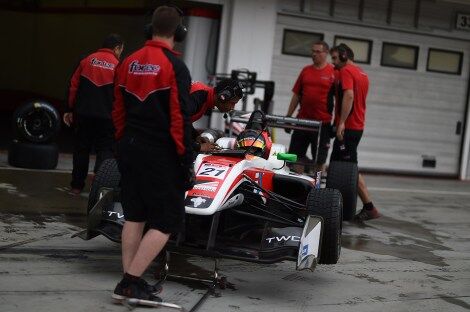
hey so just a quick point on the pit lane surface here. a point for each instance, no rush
(415, 258)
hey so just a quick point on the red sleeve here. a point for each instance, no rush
(119, 113)
(298, 84)
(74, 83)
(202, 99)
(347, 81)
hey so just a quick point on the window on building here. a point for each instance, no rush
(399, 55)
(362, 48)
(299, 43)
(443, 61)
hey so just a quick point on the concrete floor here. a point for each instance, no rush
(415, 258)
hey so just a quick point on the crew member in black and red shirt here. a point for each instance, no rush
(155, 154)
(90, 100)
(203, 98)
(314, 91)
(352, 85)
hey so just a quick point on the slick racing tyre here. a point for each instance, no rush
(327, 203)
(36, 122)
(33, 155)
(108, 175)
(343, 176)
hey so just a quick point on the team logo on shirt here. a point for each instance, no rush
(143, 69)
(102, 64)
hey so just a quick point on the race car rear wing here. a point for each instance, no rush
(279, 121)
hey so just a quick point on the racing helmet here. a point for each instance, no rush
(255, 142)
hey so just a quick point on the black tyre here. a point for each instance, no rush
(327, 203)
(108, 175)
(36, 121)
(33, 155)
(343, 176)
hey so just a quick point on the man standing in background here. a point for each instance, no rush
(352, 85)
(89, 104)
(313, 90)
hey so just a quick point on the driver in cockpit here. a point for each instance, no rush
(255, 139)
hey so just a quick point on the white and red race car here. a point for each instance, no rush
(246, 204)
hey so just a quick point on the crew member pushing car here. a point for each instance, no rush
(155, 152)
(89, 104)
(203, 98)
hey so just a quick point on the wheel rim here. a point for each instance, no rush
(37, 124)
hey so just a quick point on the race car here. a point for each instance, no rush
(246, 204)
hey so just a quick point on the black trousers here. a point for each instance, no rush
(90, 134)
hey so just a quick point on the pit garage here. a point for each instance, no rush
(414, 154)
(417, 62)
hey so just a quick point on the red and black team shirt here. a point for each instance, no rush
(315, 88)
(91, 87)
(352, 77)
(202, 99)
(152, 98)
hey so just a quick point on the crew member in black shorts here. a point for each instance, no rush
(155, 153)
(352, 85)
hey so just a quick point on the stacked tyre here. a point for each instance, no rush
(35, 125)
(343, 176)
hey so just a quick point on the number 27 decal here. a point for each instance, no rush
(212, 171)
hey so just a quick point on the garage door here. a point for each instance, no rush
(412, 115)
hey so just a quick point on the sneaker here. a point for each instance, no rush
(365, 215)
(134, 290)
(154, 289)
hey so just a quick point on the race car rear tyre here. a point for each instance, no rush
(33, 156)
(327, 203)
(108, 175)
(343, 176)
(36, 122)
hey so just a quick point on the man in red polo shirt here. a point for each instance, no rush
(313, 90)
(352, 85)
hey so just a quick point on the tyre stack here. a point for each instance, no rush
(35, 125)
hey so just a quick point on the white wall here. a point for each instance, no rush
(251, 40)
(199, 48)
(246, 39)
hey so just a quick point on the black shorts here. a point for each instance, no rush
(300, 141)
(346, 150)
(151, 185)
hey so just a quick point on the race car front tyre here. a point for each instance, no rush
(343, 176)
(108, 175)
(32, 155)
(327, 203)
(36, 122)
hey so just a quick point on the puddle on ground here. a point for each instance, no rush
(41, 220)
(404, 227)
(396, 238)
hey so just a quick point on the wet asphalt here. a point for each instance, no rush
(414, 258)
